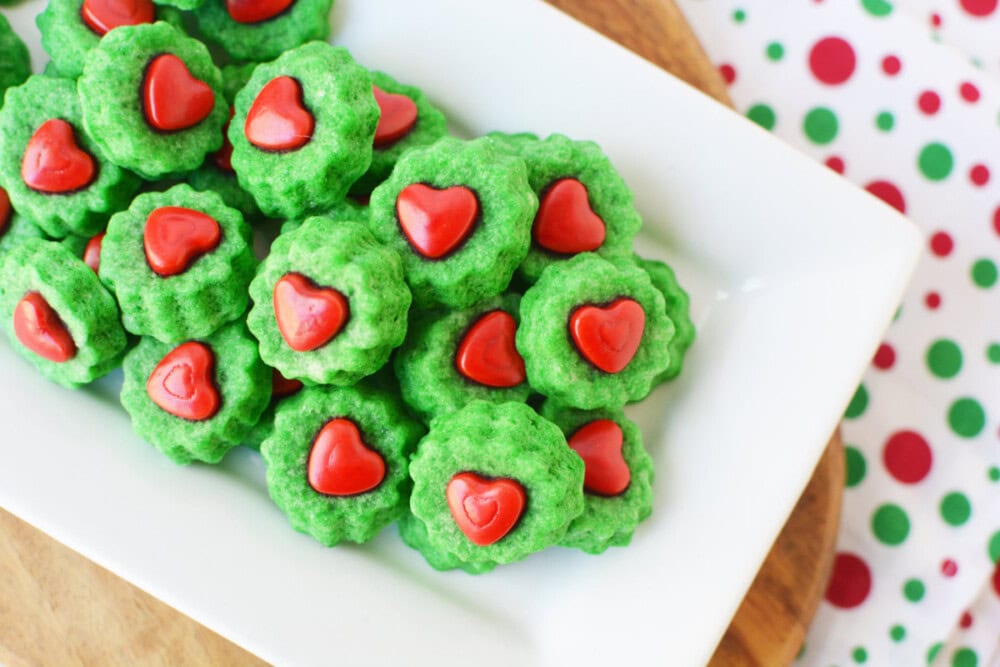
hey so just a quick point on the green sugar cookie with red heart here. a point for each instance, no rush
(594, 333)
(196, 399)
(329, 303)
(453, 357)
(152, 99)
(57, 314)
(493, 483)
(459, 213)
(15, 61)
(337, 461)
(53, 171)
(262, 30)
(179, 262)
(14, 228)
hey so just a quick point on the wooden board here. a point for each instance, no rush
(58, 608)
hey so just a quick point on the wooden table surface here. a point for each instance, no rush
(58, 608)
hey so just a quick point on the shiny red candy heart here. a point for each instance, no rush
(175, 237)
(5, 211)
(487, 354)
(102, 16)
(173, 98)
(308, 316)
(340, 463)
(53, 162)
(183, 383)
(608, 336)
(39, 329)
(92, 253)
(223, 157)
(436, 221)
(282, 387)
(599, 444)
(485, 510)
(397, 116)
(278, 119)
(255, 11)
(565, 222)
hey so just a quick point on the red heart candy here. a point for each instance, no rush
(175, 237)
(485, 510)
(255, 11)
(565, 222)
(599, 444)
(183, 383)
(487, 354)
(223, 157)
(173, 99)
(436, 221)
(53, 162)
(608, 336)
(281, 386)
(102, 16)
(39, 329)
(397, 116)
(340, 464)
(308, 316)
(5, 211)
(278, 119)
(92, 253)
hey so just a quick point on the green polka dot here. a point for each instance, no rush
(964, 657)
(955, 508)
(763, 115)
(993, 353)
(820, 125)
(884, 121)
(860, 655)
(739, 16)
(855, 466)
(877, 7)
(913, 590)
(890, 524)
(993, 548)
(933, 651)
(944, 358)
(858, 403)
(984, 273)
(966, 417)
(897, 633)
(935, 161)
(775, 51)
(994, 474)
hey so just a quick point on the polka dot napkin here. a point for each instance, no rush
(903, 98)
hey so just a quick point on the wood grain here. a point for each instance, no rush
(58, 608)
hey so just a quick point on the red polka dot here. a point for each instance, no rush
(929, 102)
(837, 164)
(979, 174)
(969, 92)
(728, 73)
(832, 60)
(888, 193)
(885, 357)
(891, 65)
(932, 300)
(850, 581)
(996, 220)
(907, 456)
(949, 568)
(979, 7)
(996, 580)
(941, 244)
(936, 20)
(966, 621)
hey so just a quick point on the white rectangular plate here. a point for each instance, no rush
(793, 274)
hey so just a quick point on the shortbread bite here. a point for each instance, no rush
(432, 374)
(59, 299)
(264, 34)
(500, 444)
(38, 118)
(15, 62)
(465, 224)
(195, 287)
(593, 214)
(394, 136)
(337, 462)
(328, 96)
(588, 285)
(608, 520)
(161, 374)
(344, 301)
(677, 305)
(413, 532)
(115, 76)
